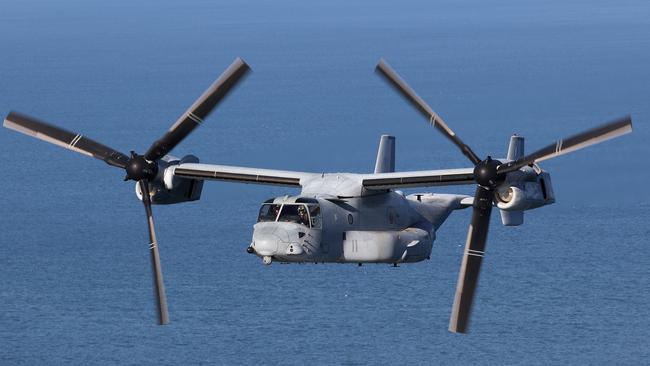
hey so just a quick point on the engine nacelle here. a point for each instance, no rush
(168, 189)
(521, 195)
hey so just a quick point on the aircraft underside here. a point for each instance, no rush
(406, 246)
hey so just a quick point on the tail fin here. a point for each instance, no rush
(515, 151)
(386, 155)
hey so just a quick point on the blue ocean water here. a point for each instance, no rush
(571, 286)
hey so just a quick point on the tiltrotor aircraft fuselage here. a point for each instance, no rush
(342, 217)
(361, 218)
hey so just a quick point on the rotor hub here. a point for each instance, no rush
(485, 173)
(139, 168)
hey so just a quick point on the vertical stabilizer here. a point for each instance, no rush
(516, 147)
(386, 155)
(515, 151)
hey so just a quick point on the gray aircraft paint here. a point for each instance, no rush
(515, 151)
(383, 228)
(386, 155)
(363, 219)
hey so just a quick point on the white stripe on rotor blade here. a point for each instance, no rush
(432, 120)
(479, 254)
(75, 140)
(194, 118)
(152, 246)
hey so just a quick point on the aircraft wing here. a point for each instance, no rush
(421, 178)
(240, 174)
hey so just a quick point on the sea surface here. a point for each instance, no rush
(570, 286)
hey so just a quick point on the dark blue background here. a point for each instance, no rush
(570, 286)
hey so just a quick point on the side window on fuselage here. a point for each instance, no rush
(314, 213)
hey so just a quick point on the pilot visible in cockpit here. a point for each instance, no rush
(274, 211)
(303, 218)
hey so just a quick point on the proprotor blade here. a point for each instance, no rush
(590, 137)
(66, 139)
(401, 86)
(159, 286)
(472, 258)
(195, 115)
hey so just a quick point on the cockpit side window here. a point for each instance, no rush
(268, 212)
(314, 213)
(294, 213)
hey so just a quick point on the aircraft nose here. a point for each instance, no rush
(266, 245)
(270, 239)
(265, 239)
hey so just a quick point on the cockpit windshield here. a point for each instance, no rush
(268, 212)
(294, 213)
(307, 215)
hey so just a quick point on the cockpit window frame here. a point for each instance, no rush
(312, 210)
(277, 213)
(294, 217)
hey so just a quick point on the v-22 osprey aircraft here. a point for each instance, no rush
(342, 217)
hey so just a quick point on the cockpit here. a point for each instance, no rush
(304, 214)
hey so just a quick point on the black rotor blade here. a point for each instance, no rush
(472, 258)
(195, 115)
(159, 286)
(409, 94)
(590, 137)
(66, 139)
